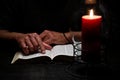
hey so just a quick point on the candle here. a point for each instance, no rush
(91, 24)
(91, 27)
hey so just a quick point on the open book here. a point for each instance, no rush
(57, 50)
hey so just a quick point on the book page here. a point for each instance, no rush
(62, 50)
(20, 55)
(56, 50)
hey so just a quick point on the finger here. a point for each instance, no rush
(41, 46)
(26, 50)
(29, 44)
(24, 47)
(48, 41)
(47, 46)
(33, 41)
(47, 37)
(43, 34)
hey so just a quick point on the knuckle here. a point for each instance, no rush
(46, 31)
(26, 37)
(34, 34)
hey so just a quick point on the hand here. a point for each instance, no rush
(52, 37)
(31, 42)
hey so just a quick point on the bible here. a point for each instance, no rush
(58, 51)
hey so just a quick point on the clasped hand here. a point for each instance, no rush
(33, 42)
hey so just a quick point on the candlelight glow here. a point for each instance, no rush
(91, 13)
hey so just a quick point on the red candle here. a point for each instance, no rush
(91, 27)
(91, 24)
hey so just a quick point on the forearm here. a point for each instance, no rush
(5, 34)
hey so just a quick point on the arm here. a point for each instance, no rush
(29, 43)
(5, 34)
(52, 37)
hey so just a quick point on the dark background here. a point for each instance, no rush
(113, 49)
(23, 72)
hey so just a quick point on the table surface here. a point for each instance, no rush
(54, 71)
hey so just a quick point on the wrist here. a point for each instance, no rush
(15, 35)
(68, 37)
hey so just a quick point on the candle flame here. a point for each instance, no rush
(91, 13)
